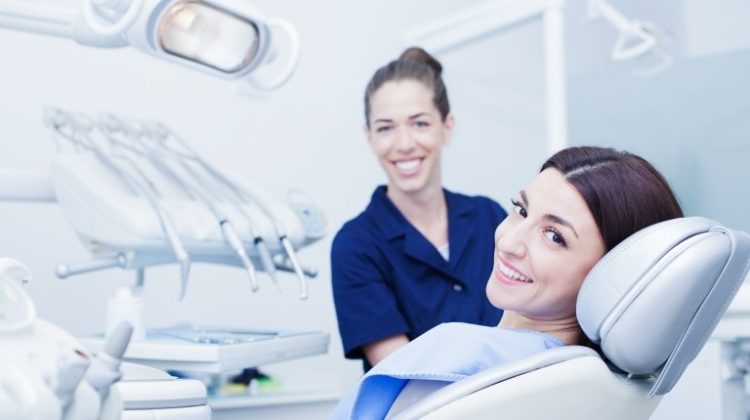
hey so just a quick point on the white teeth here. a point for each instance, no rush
(407, 165)
(511, 273)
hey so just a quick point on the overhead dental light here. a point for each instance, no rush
(636, 39)
(227, 38)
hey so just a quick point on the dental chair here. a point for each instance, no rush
(650, 304)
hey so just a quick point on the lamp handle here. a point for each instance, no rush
(291, 65)
(647, 41)
(115, 28)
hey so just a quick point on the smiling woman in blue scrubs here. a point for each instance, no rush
(419, 255)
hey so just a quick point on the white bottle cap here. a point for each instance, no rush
(126, 306)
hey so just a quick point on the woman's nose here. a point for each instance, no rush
(512, 241)
(405, 139)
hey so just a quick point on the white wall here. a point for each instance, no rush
(306, 135)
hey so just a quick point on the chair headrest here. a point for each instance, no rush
(653, 300)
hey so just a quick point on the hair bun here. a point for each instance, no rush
(418, 54)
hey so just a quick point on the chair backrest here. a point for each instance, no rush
(651, 303)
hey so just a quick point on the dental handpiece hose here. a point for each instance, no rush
(141, 184)
(280, 231)
(227, 229)
(136, 185)
(296, 265)
(263, 253)
(236, 244)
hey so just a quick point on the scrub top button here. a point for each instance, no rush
(458, 287)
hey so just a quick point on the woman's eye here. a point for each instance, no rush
(555, 236)
(382, 129)
(421, 124)
(518, 208)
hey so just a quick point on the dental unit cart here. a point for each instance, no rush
(216, 350)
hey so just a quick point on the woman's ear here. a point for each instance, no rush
(366, 131)
(448, 124)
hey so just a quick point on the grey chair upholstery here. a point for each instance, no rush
(650, 304)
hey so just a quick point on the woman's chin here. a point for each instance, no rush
(497, 298)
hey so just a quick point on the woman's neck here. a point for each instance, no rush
(566, 330)
(425, 209)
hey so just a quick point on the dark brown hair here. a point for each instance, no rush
(413, 64)
(623, 191)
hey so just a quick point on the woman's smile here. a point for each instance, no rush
(408, 167)
(509, 275)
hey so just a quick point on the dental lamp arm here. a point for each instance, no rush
(30, 17)
(633, 38)
(598, 8)
(27, 16)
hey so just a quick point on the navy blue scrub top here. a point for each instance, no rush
(388, 279)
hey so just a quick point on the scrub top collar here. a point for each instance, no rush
(394, 225)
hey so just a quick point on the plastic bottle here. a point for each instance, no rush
(127, 305)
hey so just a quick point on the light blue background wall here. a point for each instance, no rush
(692, 121)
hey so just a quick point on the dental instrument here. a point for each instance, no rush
(102, 158)
(46, 374)
(120, 228)
(246, 195)
(161, 135)
(146, 188)
(199, 186)
(193, 189)
(134, 178)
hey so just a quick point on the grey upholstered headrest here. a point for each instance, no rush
(652, 302)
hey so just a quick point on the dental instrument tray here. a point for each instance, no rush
(217, 350)
(212, 335)
(138, 195)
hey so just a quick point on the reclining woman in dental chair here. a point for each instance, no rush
(582, 204)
